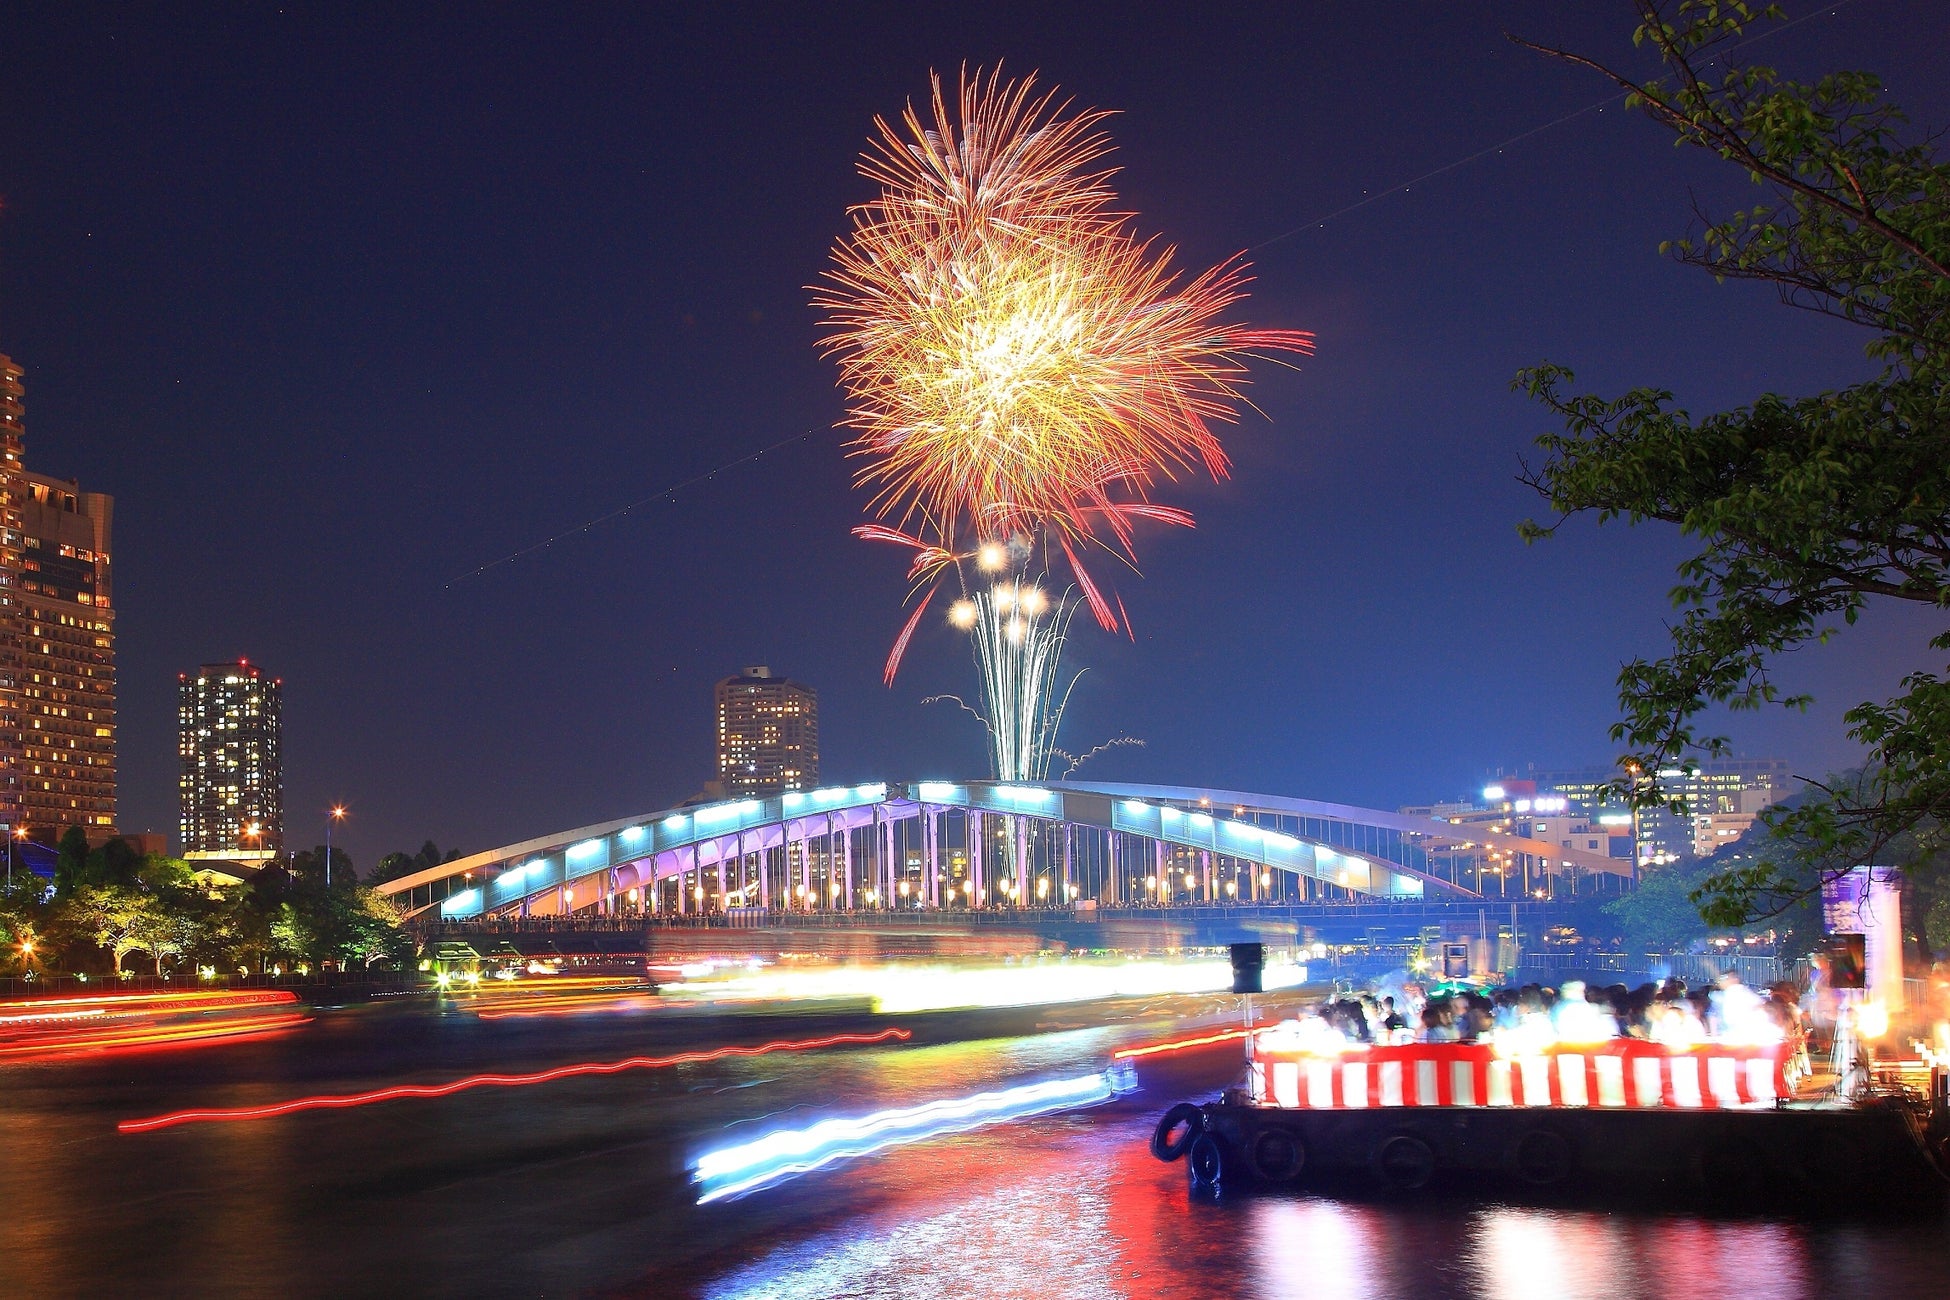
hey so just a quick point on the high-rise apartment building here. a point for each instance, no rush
(13, 490)
(230, 736)
(66, 685)
(768, 734)
(57, 642)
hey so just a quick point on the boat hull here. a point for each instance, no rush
(1839, 1156)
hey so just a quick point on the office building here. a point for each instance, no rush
(57, 643)
(230, 736)
(768, 734)
(1724, 798)
(13, 490)
(66, 682)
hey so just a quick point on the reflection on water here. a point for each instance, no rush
(1520, 1254)
(1039, 1236)
(1071, 1212)
(1313, 1248)
(577, 1187)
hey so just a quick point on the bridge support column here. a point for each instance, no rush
(1025, 865)
(1069, 880)
(1161, 868)
(883, 847)
(1205, 870)
(805, 873)
(978, 845)
(931, 847)
(846, 862)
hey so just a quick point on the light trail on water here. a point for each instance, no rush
(786, 1153)
(430, 1091)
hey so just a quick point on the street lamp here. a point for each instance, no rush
(337, 815)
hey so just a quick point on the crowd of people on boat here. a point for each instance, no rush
(1670, 1013)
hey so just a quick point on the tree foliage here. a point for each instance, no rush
(395, 865)
(1805, 509)
(112, 902)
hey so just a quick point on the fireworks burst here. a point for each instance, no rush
(1023, 371)
(1020, 364)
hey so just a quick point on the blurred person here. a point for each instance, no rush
(1574, 1019)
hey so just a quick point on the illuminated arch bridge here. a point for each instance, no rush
(981, 844)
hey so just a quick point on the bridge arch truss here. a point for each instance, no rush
(980, 844)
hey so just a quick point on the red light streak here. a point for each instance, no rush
(52, 1029)
(73, 1045)
(188, 1000)
(572, 1005)
(432, 1090)
(1156, 1049)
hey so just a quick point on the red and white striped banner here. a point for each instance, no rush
(1625, 1072)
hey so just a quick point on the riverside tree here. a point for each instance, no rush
(1806, 509)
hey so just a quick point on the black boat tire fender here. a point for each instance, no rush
(1542, 1157)
(1404, 1162)
(1168, 1145)
(1277, 1155)
(1207, 1164)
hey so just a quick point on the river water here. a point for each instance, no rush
(577, 1187)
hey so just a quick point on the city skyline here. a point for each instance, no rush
(345, 449)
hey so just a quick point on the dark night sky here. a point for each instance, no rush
(341, 303)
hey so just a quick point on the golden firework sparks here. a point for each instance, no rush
(1018, 361)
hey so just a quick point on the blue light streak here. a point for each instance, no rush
(735, 1170)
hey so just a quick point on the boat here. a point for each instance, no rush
(1710, 1120)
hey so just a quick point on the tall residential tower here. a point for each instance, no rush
(13, 490)
(67, 658)
(230, 735)
(768, 734)
(57, 643)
